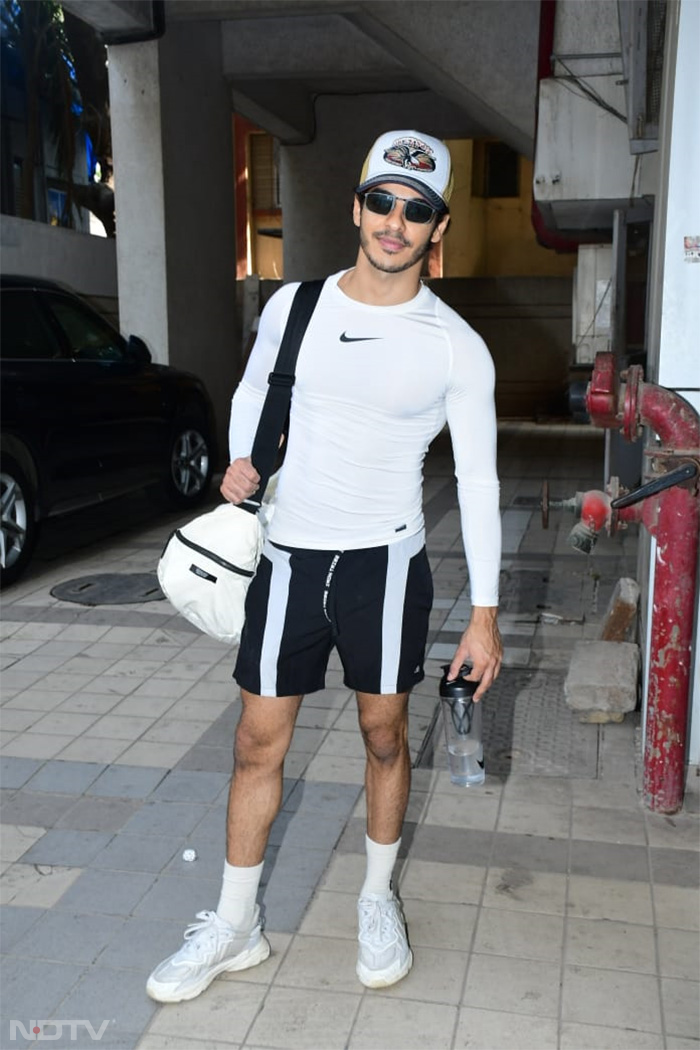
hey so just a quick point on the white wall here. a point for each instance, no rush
(34, 249)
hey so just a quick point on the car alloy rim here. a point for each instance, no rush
(14, 520)
(190, 463)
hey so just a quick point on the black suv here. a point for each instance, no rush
(87, 416)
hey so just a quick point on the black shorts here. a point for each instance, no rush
(372, 604)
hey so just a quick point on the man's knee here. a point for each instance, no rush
(385, 741)
(262, 741)
(253, 749)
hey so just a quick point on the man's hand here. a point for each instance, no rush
(481, 646)
(240, 481)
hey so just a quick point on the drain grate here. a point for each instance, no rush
(111, 589)
(528, 730)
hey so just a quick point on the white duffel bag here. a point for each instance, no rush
(207, 565)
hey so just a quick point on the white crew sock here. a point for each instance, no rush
(380, 864)
(239, 891)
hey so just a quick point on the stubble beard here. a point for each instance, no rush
(385, 266)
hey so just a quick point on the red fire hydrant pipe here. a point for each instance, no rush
(673, 518)
(670, 642)
(676, 530)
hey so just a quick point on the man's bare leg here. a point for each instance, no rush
(384, 725)
(263, 737)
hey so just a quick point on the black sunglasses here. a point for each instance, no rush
(414, 210)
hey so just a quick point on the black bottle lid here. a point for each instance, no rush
(459, 688)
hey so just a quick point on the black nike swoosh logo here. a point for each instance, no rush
(358, 339)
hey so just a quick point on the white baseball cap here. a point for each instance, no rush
(411, 159)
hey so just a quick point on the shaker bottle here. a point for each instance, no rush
(462, 721)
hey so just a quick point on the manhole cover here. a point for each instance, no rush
(111, 589)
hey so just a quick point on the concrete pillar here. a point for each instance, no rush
(174, 184)
(134, 88)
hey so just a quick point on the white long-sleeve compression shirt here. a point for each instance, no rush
(374, 386)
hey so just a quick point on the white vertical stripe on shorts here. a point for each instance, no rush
(278, 598)
(398, 558)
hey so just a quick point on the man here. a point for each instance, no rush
(383, 365)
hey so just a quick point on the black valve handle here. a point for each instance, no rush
(666, 481)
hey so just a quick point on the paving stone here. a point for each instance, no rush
(175, 898)
(593, 1037)
(478, 1029)
(73, 849)
(34, 988)
(301, 1019)
(36, 885)
(65, 777)
(165, 818)
(433, 881)
(212, 825)
(617, 899)
(608, 825)
(675, 867)
(97, 814)
(676, 907)
(451, 845)
(681, 1001)
(401, 1025)
(35, 809)
(610, 945)
(125, 781)
(185, 786)
(524, 935)
(140, 944)
(613, 997)
(519, 888)
(14, 923)
(15, 772)
(69, 937)
(331, 914)
(533, 852)
(679, 954)
(298, 866)
(114, 994)
(106, 892)
(137, 853)
(609, 860)
(16, 840)
(513, 985)
(220, 1019)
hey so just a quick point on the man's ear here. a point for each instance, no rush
(440, 229)
(356, 210)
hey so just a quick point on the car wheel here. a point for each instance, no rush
(19, 529)
(189, 466)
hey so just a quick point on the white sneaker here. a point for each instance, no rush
(211, 946)
(384, 956)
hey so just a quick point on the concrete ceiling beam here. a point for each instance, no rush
(109, 17)
(494, 82)
(283, 109)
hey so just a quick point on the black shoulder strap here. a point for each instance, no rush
(279, 394)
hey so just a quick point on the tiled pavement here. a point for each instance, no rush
(547, 909)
